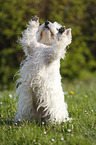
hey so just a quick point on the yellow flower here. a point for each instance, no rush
(71, 92)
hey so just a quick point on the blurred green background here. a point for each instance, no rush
(80, 15)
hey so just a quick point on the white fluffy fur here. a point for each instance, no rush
(40, 90)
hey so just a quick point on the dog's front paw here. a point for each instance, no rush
(61, 30)
(35, 18)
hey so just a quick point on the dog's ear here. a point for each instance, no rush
(68, 33)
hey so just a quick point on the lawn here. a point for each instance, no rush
(80, 97)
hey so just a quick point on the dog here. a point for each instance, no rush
(39, 86)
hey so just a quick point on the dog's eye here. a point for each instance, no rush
(61, 30)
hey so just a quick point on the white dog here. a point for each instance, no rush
(39, 87)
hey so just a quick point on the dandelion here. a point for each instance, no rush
(52, 139)
(71, 92)
(42, 122)
(34, 140)
(19, 120)
(44, 132)
(69, 130)
(71, 134)
(10, 95)
(62, 138)
(86, 96)
(14, 99)
(1, 103)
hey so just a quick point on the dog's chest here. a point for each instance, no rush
(50, 72)
(38, 72)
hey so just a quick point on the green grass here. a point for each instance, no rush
(81, 131)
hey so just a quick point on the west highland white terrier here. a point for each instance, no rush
(40, 92)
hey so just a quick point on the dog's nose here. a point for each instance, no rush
(46, 23)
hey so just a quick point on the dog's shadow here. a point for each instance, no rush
(7, 122)
(10, 122)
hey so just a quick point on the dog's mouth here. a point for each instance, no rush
(46, 28)
(46, 36)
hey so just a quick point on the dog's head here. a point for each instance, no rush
(47, 32)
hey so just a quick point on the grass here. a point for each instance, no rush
(80, 98)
